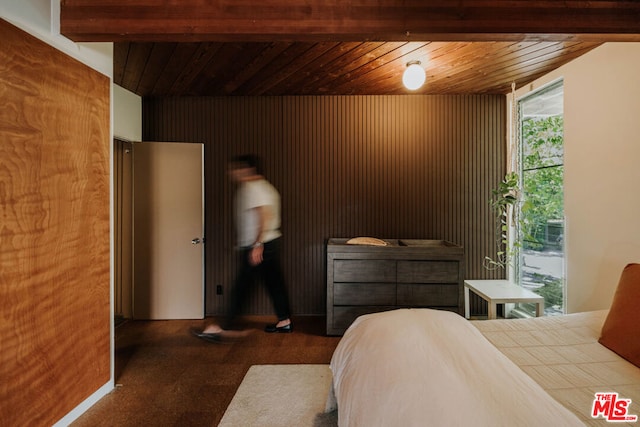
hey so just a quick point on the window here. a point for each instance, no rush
(540, 262)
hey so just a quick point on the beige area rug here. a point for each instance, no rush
(282, 395)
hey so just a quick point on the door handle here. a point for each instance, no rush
(196, 241)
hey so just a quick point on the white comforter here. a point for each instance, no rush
(422, 367)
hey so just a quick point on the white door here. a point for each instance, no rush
(168, 231)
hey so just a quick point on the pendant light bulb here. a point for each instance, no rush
(414, 76)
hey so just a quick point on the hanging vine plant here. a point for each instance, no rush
(503, 199)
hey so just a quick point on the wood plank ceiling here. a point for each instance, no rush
(334, 68)
(349, 47)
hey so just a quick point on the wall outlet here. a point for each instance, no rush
(219, 290)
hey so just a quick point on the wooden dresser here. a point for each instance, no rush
(365, 279)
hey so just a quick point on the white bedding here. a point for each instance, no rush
(562, 354)
(421, 367)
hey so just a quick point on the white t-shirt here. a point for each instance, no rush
(251, 195)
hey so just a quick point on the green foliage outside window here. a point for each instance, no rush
(551, 289)
(542, 180)
(542, 208)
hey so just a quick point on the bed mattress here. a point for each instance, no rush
(562, 354)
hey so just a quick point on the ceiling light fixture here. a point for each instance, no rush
(414, 76)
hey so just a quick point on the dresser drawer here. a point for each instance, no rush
(372, 271)
(364, 293)
(405, 273)
(429, 295)
(428, 271)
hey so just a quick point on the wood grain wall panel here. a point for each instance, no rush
(383, 166)
(54, 231)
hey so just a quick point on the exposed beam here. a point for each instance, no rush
(349, 20)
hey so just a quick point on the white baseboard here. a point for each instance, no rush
(84, 406)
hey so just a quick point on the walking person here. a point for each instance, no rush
(257, 221)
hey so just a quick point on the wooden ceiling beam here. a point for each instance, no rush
(349, 20)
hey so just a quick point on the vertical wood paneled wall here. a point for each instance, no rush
(384, 166)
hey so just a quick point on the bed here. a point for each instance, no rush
(422, 367)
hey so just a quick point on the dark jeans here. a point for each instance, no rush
(270, 272)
